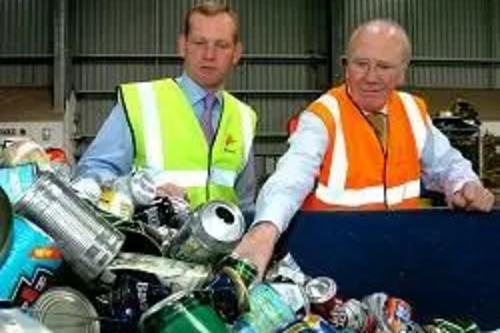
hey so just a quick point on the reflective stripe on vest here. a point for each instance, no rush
(416, 121)
(335, 193)
(230, 150)
(190, 178)
(152, 132)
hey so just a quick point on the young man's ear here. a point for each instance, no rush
(237, 54)
(181, 45)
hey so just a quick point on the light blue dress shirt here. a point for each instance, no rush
(444, 170)
(111, 153)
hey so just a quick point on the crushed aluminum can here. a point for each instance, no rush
(391, 314)
(353, 315)
(397, 314)
(286, 269)
(177, 275)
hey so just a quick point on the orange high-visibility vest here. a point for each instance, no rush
(356, 172)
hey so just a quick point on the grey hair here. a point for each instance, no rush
(386, 24)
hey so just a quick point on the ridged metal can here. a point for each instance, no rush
(88, 242)
(212, 231)
(66, 310)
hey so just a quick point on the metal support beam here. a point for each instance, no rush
(60, 56)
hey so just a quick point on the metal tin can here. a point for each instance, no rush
(321, 292)
(268, 311)
(309, 324)
(89, 242)
(228, 294)
(244, 267)
(212, 231)
(181, 313)
(352, 315)
(66, 310)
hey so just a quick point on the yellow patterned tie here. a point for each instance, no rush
(379, 124)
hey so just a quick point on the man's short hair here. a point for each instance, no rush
(211, 9)
(401, 32)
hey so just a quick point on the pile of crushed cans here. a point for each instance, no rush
(95, 256)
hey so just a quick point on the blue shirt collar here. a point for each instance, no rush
(194, 91)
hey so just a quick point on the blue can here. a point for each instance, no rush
(268, 311)
(309, 324)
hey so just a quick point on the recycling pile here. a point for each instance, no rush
(110, 256)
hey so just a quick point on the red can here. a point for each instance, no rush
(322, 292)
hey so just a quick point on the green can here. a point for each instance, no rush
(244, 267)
(181, 313)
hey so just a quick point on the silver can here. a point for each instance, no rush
(211, 231)
(352, 315)
(87, 240)
(66, 310)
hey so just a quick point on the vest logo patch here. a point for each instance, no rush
(229, 144)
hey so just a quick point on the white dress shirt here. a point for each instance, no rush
(444, 169)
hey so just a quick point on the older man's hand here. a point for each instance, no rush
(473, 196)
(258, 246)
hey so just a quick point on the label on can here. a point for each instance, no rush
(268, 311)
(293, 295)
(116, 203)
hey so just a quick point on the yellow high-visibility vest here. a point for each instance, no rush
(167, 136)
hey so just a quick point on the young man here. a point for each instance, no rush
(190, 134)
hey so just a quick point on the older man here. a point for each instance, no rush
(363, 145)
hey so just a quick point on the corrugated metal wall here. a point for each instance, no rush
(26, 32)
(454, 41)
(286, 44)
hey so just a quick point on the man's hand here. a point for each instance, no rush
(172, 191)
(258, 246)
(473, 196)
